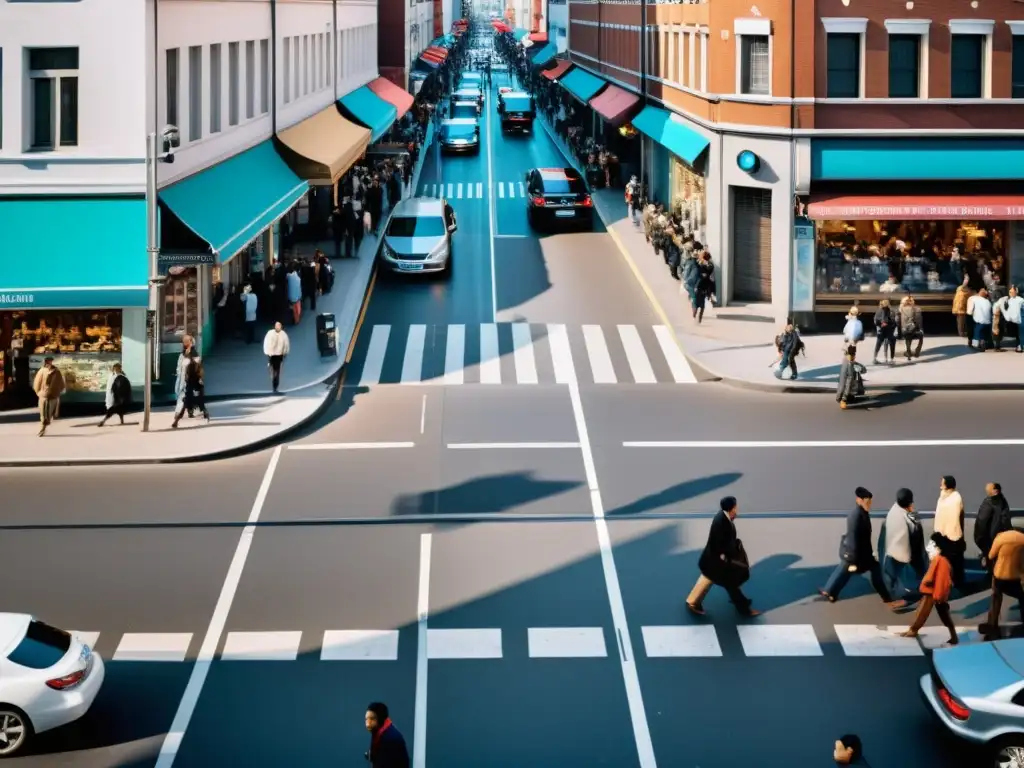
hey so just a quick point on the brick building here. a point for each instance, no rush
(804, 139)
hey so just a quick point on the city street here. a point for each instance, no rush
(493, 530)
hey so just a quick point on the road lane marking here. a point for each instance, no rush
(630, 675)
(509, 446)
(931, 638)
(740, 444)
(526, 363)
(373, 364)
(201, 668)
(261, 646)
(597, 352)
(412, 365)
(359, 645)
(566, 643)
(479, 189)
(419, 746)
(779, 640)
(349, 446)
(866, 640)
(490, 358)
(492, 218)
(636, 355)
(423, 415)
(455, 355)
(511, 237)
(685, 641)
(561, 354)
(682, 373)
(153, 646)
(464, 643)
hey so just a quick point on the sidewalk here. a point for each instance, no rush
(245, 415)
(736, 344)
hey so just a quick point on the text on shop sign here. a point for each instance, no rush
(825, 211)
(17, 298)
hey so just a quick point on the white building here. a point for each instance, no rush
(558, 24)
(81, 86)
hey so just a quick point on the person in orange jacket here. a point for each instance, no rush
(935, 589)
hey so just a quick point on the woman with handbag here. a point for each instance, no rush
(723, 562)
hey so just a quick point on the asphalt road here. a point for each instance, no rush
(433, 543)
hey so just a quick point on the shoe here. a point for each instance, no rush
(896, 605)
(103, 423)
(750, 613)
(826, 595)
(695, 609)
(842, 404)
(174, 424)
(42, 431)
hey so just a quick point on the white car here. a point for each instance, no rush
(48, 678)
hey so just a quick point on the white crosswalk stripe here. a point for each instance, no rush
(501, 189)
(479, 189)
(762, 641)
(450, 191)
(458, 191)
(529, 354)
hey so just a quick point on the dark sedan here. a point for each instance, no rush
(558, 196)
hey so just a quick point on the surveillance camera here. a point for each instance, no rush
(172, 136)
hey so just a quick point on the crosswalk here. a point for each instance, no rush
(519, 353)
(659, 642)
(474, 190)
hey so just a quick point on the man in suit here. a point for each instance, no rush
(857, 554)
(723, 562)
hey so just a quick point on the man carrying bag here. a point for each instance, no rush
(723, 562)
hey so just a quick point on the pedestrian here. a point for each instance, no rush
(192, 394)
(935, 589)
(1005, 557)
(853, 331)
(119, 394)
(789, 345)
(387, 746)
(294, 284)
(905, 562)
(276, 347)
(980, 309)
(994, 517)
(48, 386)
(885, 332)
(949, 521)
(960, 299)
(851, 378)
(633, 199)
(375, 203)
(188, 351)
(1010, 307)
(857, 555)
(723, 562)
(849, 751)
(251, 302)
(911, 326)
(705, 288)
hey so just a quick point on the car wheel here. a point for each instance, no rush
(15, 730)
(1008, 752)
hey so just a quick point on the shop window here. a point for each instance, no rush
(689, 199)
(1017, 68)
(755, 64)
(904, 66)
(181, 303)
(84, 345)
(918, 257)
(53, 73)
(966, 57)
(843, 65)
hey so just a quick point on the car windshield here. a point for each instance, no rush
(42, 647)
(460, 130)
(555, 186)
(416, 226)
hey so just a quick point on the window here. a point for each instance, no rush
(755, 65)
(305, 64)
(250, 79)
(843, 66)
(297, 61)
(287, 70)
(319, 61)
(172, 76)
(904, 66)
(1017, 68)
(233, 84)
(966, 57)
(329, 58)
(216, 95)
(195, 93)
(265, 76)
(54, 76)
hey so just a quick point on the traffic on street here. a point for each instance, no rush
(527, 529)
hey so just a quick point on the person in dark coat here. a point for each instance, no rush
(375, 203)
(993, 518)
(723, 562)
(857, 554)
(387, 746)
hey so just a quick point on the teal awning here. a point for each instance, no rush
(917, 159)
(73, 253)
(519, 33)
(581, 84)
(369, 109)
(544, 55)
(659, 124)
(230, 203)
(441, 42)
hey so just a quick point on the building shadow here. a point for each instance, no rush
(488, 495)
(677, 493)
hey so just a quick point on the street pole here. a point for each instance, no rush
(153, 252)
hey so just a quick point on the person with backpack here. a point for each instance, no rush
(789, 344)
(119, 394)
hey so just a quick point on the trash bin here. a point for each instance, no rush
(326, 335)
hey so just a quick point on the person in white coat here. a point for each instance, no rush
(1010, 308)
(276, 347)
(853, 331)
(979, 307)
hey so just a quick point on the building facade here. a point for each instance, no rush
(558, 24)
(813, 139)
(239, 81)
(406, 29)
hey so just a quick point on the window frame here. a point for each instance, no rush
(848, 26)
(56, 78)
(216, 87)
(172, 85)
(756, 27)
(921, 28)
(234, 83)
(831, 39)
(746, 43)
(1017, 40)
(981, 41)
(286, 57)
(983, 28)
(195, 93)
(902, 38)
(265, 76)
(250, 79)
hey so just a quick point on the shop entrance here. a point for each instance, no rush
(752, 244)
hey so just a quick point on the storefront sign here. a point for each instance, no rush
(75, 298)
(803, 268)
(840, 210)
(185, 259)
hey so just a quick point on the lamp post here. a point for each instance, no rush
(159, 149)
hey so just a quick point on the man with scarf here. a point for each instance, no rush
(387, 747)
(904, 564)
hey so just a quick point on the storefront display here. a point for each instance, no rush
(181, 304)
(689, 199)
(881, 257)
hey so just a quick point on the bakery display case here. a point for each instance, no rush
(83, 344)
